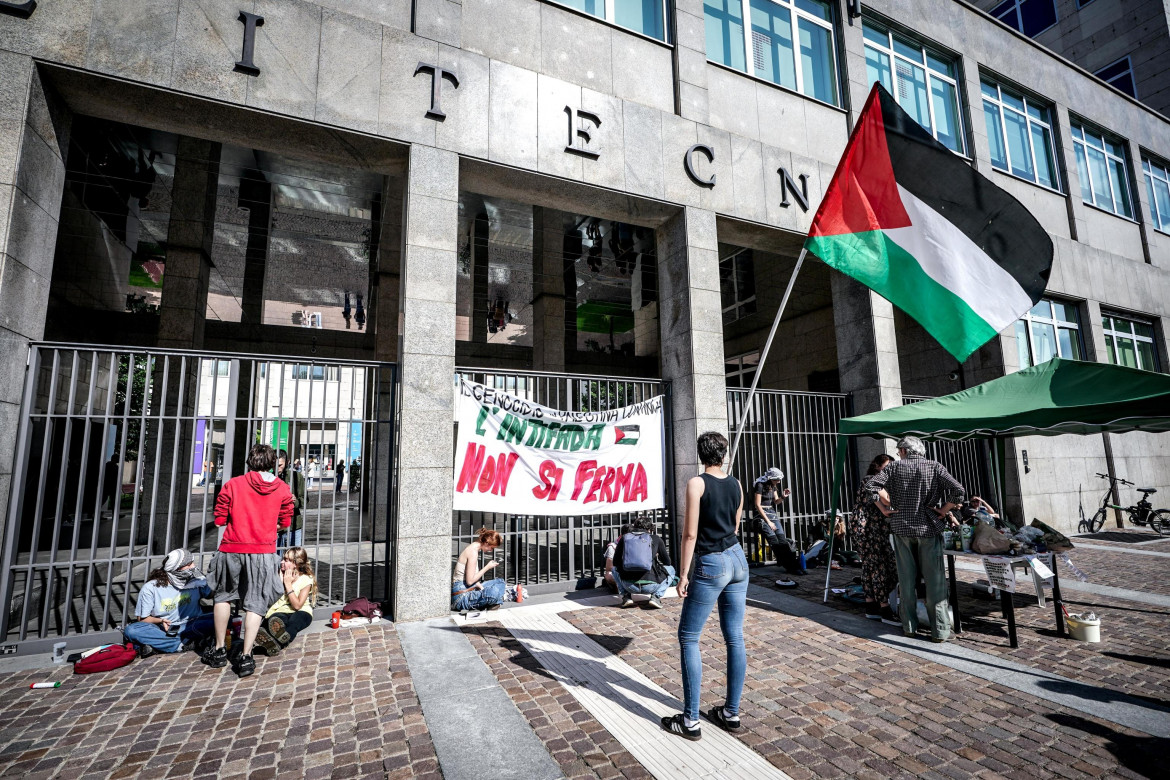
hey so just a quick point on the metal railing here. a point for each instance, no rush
(557, 552)
(120, 454)
(797, 433)
(967, 461)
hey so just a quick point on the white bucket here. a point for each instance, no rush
(1083, 629)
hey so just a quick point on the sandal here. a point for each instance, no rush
(677, 726)
(716, 716)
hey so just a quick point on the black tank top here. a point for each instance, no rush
(717, 506)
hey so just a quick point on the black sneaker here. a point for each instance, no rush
(716, 716)
(888, 617)
(244, 666)
(627, 601)
(677, 726)
(146, 651)
(872, 612)
(215, 658)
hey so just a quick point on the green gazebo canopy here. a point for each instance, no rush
(1053, 398)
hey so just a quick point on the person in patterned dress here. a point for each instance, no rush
(879, 569)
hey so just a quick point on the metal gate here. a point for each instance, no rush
(553, 553)
(120, 454)
(968, 460)
(797, 433)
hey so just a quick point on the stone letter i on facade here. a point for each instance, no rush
(250, 22)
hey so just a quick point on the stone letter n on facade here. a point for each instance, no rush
(437, 75)
(250, 22)
(581, 134)
(23, 10)
(788, 185)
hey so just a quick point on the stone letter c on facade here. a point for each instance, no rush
(788, 185)
(250, 22)
(581, 134)
(23, 10)
(690, 166)
(437, 75)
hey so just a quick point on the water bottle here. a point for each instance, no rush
(803, 562)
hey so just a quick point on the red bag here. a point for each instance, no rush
(108, 658)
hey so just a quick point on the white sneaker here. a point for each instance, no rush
(782, 583)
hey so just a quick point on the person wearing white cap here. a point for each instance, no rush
(767, 499)
(169, 616)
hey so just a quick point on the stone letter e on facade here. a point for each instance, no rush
(581, 132)
(437, 75)
(250, 22)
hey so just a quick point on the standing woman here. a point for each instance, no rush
(879, 569)
(714, 505)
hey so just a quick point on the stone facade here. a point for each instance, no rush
(484, 96)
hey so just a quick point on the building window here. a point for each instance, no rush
(1119, 75)
(1031, 17)
(1158, 189)
(790, 41)
(1101, 166)
(737, 286)
(1130, 342)
(647, 17)
(741, 369)
(1050, 329)
(922, 80)
(1019, 134)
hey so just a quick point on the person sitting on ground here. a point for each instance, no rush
(642, 565)
(293, 611)
(767, 498)
(169, 616)
(609, 551)
(879, 569)
(469, 589)
(253, 507)
(710, 537)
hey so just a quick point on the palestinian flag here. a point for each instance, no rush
(626, 434)
(917, 224)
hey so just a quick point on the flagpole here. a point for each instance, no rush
(763, 357)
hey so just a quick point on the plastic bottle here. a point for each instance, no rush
(967, 531)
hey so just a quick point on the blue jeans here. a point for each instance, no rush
(492, 593)
(290, 538)
(722, 577)
(152, 634)
(656, 589)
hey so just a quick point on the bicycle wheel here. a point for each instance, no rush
(1098, 521)
(1160, 521)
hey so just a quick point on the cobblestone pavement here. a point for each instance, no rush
(578, 743)
(818, 703)
(336, 704)
(1133, 658)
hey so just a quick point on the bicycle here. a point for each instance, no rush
(1141, 513)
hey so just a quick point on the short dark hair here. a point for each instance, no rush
(261, 458)
(643, 524)
(712, 448)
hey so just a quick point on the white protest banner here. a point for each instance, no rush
(1000, 574)
(518, 457)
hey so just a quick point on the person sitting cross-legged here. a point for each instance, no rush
(642, 565)
(293, 611)
(169, 616)
(469, 589)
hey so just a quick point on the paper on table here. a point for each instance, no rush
(999, 573)
(1039, 567)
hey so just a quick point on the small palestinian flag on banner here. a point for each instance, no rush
(626, 434)
(918, 225)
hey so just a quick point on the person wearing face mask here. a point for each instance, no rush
(169, 616)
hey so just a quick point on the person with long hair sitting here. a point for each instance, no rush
(293, 611)
(469, 589)
(169, 616)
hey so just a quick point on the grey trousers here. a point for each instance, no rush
(922, 555)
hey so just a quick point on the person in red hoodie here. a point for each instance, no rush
(251, 507)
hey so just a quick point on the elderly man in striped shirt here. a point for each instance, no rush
(916, 494)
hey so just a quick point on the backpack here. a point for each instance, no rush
(106, 659)
(361, 607)
(637, 553)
